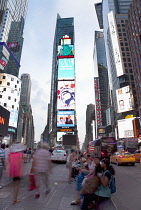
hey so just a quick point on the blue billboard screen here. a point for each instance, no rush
(66, 68)
(65, 119)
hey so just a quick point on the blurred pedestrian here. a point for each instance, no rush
(71, 157)
(15, 167)
(25, 156)
(2, 161)
(7, 152)
(42, 167)
(29, 155)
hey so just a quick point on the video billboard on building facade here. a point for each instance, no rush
(66, 68)
(125, 99)
(64, 51)
(115, 44)
(65, 119)
(66, 95)
(125, 128)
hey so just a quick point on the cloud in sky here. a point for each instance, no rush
(38, 49)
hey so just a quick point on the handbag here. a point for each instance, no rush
(32, 185)
(91, 185)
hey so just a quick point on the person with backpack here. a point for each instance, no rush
(103, 194)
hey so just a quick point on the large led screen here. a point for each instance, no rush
(65, 50)
(66, 68)
(125, 128)
(115, 44)
(65, 119)
(69, 140)
(125, 100)
(4, 120)
(66, 95)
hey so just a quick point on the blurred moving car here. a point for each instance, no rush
(59, 155)
(123, 158)
(137, 154)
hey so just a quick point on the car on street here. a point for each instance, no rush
(59, 155)
(137, 154)
(122, 158)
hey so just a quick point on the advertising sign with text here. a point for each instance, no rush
(66, 68)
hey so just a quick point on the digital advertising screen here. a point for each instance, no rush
(69, 140)
(65, 51)
(13, 118)
(4, 120)
(125, 99)
(66, 68)
(65, 119)
(125, 128)
(115, 44)
(66, 95)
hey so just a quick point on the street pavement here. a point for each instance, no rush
(59, 198)
(127, 197)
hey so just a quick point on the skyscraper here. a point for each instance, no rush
(12, 19)
(101, 82)
(62, 98)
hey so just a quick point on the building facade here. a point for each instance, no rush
(25, 132)
(120, 68)
(62, 98)
(103, 79)
(133, 28)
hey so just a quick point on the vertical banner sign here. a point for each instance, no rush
(115, 44)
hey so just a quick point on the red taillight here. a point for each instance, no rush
(121, 156)
(64, 154)
(102, 153)
(133, 156)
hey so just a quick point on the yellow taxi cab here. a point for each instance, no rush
(123, 158)
(137, 154)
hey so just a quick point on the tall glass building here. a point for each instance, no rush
(103, 80)
(120, 69)
(63, 59)
(12, 19)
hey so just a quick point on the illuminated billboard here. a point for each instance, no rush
(65, 51)
(13, 118)
(66, 68)
(66, 95)
(125, 128)
(65, 119)
(65, 40)
(115, 44)
(4, 120)
(60, 136)
(125, 100)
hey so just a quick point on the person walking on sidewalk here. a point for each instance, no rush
(71, 157)
(2, 161)
(42, 167)
(15, 167)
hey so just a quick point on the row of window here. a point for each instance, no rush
(9, 98)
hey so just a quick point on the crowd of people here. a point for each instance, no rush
(81, 168)
(12, 160)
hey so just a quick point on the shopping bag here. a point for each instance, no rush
(32, 185)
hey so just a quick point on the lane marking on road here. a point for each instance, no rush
(51, 198)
